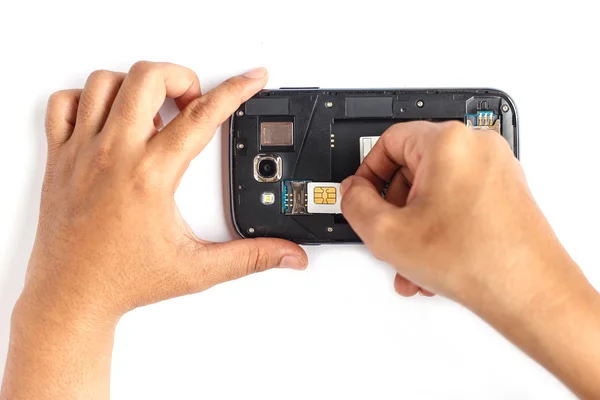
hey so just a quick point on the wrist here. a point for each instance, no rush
(557, 326)
(33, 310)
(533, 306)
(531, 298)
(534, 280)
(62, 353)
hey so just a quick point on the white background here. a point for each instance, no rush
(336, 331)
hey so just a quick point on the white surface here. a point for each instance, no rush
(337, 331)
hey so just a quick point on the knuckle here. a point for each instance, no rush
(232, 88)
(432, 230)
(383, 236)
(140, 67)
(175, 143)
(100, 76)
(383, 225)
(96, 157)
(192, 276)
(386, 138)
(257, 260)
(454, 140)
(101, 157)
(201, 110)
(57, 103)
(454, 131)
(57, 97)
(144, 70)
(456, 126)
(147, 178)
(191, 250)
(388, 133)
(498, 142)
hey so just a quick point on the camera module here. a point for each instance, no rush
(267, 168)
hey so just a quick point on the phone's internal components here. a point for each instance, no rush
(366, 144)
(267, 198)
(267, 167)
(268, 106)
(369, 107)
(324, 198)
(483, 120)
(346, 155)
(294, 197)
(276, 133)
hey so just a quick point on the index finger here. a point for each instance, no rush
(143, 92)
(184, 137)
(401, 145)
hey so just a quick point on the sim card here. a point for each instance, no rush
(324, 198)
(366, 144)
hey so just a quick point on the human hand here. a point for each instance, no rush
(110, 237)
(458, 218)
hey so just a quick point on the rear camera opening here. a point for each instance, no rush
(267, 168)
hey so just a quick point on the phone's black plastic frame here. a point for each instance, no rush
(412, 93)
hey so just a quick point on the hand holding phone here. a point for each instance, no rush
(109, 228)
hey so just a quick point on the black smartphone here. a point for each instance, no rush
(290, 148)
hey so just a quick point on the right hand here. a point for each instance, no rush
(458, 218)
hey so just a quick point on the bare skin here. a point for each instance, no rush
(110, 237)
(459, 220)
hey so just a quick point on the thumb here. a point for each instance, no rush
(232, 260)
(376, 221)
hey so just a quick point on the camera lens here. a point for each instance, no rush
(267, 168)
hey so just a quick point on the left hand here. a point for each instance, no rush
(110, 237)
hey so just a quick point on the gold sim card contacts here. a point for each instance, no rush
(325, 195)
(324, 198)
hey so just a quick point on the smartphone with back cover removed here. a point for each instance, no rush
(290, 148)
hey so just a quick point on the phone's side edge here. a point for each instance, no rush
(231, 183)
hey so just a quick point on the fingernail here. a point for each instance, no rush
(256, 73)
(292, 262)
(345, 185)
